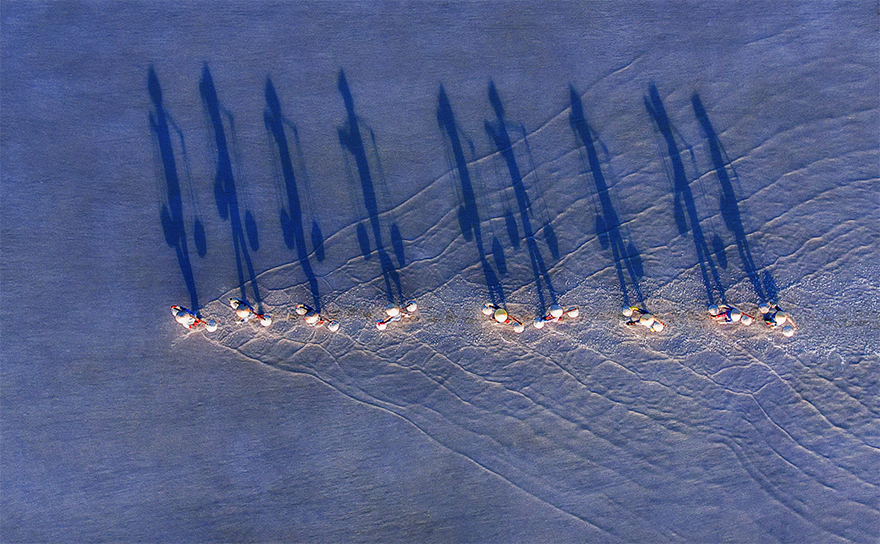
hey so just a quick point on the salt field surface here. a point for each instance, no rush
(524, 154)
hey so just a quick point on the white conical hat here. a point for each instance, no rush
(735, 314)
(788, 330)
(556, 310)
(488, 309)
(312, 318)
(500, 315)
(627, 311)
(392, 310)
(713, 309)
(657, 326)
(646, 320)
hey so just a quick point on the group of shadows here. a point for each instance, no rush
(358, 143)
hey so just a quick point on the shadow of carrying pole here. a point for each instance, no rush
(172, 211)
(547, 229)
(502, 142)
(729, 207)
(291, 223)
(224, 190)
(682, 193)
(396, 238)
(609, 226)
(469, 215)
(317, 235)
(350, 139)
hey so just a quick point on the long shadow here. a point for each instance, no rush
(607, 224)
(729, 207)
(172, 210)
(498, 134)
(468, 215)
(351, 140)
(225, 192)
(292, 220)
(683, 195)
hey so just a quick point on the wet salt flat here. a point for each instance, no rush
(348, 157)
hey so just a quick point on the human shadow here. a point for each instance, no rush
(172, 209)
(497, 132)
(166, 150)
(292, 217)
(730, 209)
(468, 214)
(498, 256)
(225, 192)
(685, 209)
(627, 261)
(351, 140)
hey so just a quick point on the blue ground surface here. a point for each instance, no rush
(662, 155)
